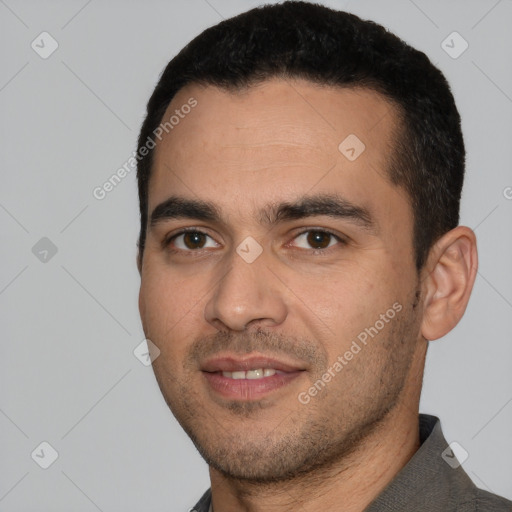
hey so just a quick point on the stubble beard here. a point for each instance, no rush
(315, 438)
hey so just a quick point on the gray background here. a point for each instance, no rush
(70, 323)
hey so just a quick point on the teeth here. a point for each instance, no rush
(254, 374)
(251, 374)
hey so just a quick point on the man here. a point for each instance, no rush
(299, 247)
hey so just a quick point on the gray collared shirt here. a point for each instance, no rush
(432, 481)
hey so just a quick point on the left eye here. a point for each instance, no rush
(317, 239)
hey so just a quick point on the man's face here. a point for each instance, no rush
(304, 257)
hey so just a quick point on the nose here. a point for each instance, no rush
(247, 294)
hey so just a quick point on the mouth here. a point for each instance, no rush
(249, 378)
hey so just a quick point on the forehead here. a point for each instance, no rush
(279, 138)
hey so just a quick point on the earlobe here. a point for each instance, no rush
(453, 263)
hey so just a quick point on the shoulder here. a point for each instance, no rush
(203, 505)
(487, 502)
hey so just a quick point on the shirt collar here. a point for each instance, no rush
(432, 480)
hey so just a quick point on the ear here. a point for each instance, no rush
(450, 274)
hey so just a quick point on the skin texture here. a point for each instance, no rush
(304, 305)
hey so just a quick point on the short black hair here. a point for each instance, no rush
(309, 41)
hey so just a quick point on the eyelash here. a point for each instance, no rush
(167, 240)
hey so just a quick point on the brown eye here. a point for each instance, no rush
(194, 239)
(319, 239)
(190, 240)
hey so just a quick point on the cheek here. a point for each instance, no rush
(344, 304)
(337, 303)
(164, 317)
(165, 303)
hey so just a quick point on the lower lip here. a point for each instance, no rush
(248, 389)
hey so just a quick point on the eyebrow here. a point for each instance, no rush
(274, 213)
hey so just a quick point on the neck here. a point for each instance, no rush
(353, 482)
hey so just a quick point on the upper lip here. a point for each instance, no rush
(232, 363)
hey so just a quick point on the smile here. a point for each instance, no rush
(260, 373)
(248, 378)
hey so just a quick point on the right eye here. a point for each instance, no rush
(190, 240)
